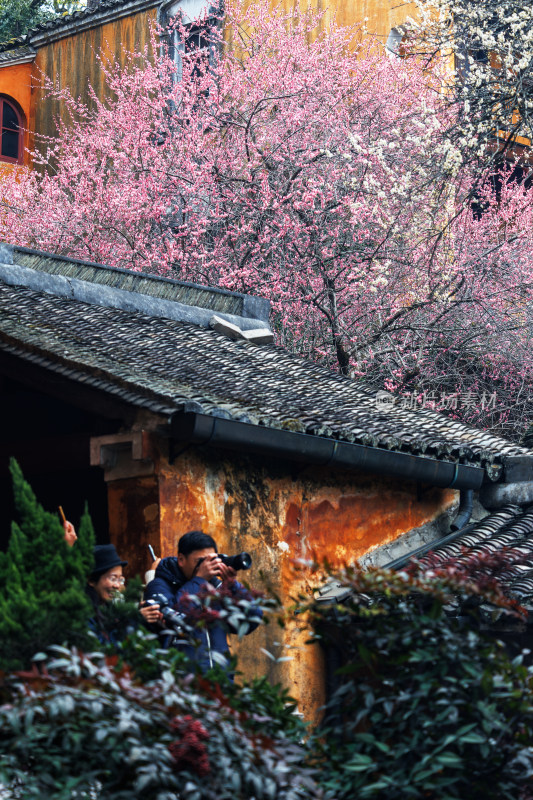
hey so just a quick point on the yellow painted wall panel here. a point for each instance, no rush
(72, 63)
(379, 16)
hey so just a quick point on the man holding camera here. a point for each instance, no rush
(187, 583)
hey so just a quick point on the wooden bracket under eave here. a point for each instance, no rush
(123, 455)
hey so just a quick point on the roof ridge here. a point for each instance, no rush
(127, 290)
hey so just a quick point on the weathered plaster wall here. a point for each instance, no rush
(255, 505)
(379, 16)
(134, 508)
(72, 63)
(376, 17)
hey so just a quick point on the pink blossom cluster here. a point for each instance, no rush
(303, 164)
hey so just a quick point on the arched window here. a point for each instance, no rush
(12, 132)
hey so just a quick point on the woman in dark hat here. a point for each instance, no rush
(103, 583)
(106, 578)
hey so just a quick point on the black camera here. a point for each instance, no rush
(173, 618)
(240, 561)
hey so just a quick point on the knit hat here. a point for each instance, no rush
(105, 558)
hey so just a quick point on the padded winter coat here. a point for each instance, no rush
(171, 582)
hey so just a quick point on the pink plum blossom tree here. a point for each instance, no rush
(304, 164)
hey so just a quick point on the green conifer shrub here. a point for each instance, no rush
(42, 580)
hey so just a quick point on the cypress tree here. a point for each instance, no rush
(42, 580)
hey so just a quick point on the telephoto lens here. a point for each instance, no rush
(240, 561)
(172, 617)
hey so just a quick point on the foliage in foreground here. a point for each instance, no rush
(428, 706)
(130, 719)
(79, 724)
(42, 580)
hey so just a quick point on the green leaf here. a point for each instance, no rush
(449, 759)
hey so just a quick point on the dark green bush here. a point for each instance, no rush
(126, 719)
(428, 705)
(42, 580)
(80, 725)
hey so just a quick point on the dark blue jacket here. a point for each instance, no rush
(171, 582)
(101, 625)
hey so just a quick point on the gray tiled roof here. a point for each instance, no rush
(167, 365)
(58, 22)
(510, 529)
(12, 52)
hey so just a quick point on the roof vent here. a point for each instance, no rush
(256, 336)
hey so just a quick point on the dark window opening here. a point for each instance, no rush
(192, 39)
(12, 132)
(50, 438)
(481, 55)
(521, 175)
(198, 38)
(198, 41)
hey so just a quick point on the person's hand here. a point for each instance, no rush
(155, 564)
(209, 567)
(227, 573)
(70, 533)
(151, 613)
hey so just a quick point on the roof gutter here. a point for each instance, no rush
(202, 429)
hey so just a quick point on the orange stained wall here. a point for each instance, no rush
(254, 506)
(377, 16)
(15, 82)
(72, 62)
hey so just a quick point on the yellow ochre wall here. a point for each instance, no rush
(379, 16)
(72, 62)
(254, 505)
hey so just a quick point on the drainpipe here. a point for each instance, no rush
(458, 527)
(400, 563)
(464, 512)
